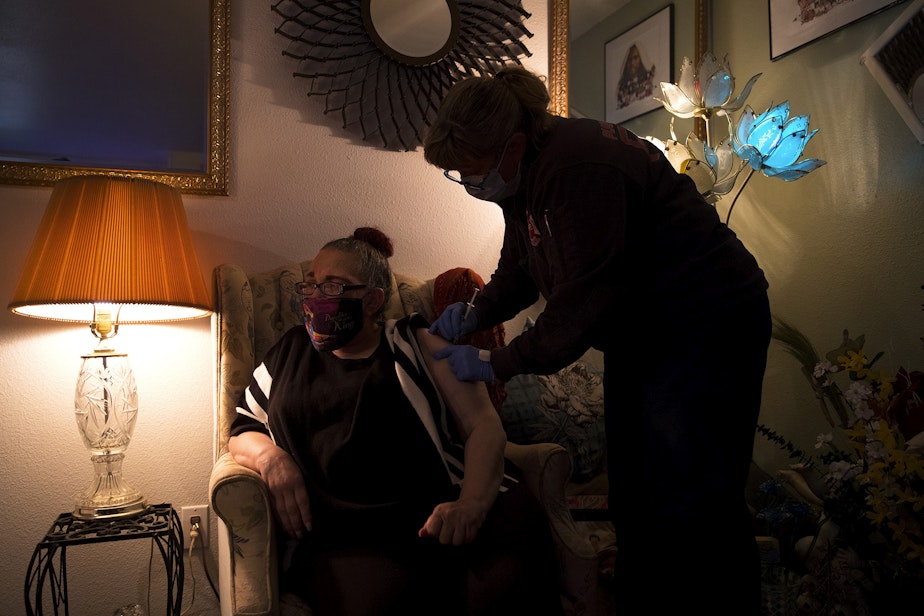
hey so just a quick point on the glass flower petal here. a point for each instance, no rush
(767, 129)
(772, 142)
(727, 167)
(687, 83)
(688, 161)
(735, 105)
(716, 81)
(676, 101)
(718, 90)
(701, 173)
(790, 146)
(794, 172)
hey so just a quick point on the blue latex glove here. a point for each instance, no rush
(453, 322)
(466, 363)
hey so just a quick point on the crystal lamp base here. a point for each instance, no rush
(108, 496)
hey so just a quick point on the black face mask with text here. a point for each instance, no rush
(332, 322)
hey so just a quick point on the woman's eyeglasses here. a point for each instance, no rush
(329, 289)
(476, 181)
(472, 181)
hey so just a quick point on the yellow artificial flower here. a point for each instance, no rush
(885, 385)
(855, 361)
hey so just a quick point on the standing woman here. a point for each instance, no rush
(633, 262)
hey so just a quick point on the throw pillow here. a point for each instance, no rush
(564, 408)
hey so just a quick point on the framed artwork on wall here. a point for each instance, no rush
(896, 62)
(635, 64)
(796, 23)
(93, 89)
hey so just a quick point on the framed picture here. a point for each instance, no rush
(896, 62)
(103, 89)
(795, 23)
(635, 64)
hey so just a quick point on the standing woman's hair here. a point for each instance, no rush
(479, 114)
(372, 248)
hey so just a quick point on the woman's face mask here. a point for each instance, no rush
(332, 322)
(492, 186)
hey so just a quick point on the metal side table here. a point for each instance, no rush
(160, 523)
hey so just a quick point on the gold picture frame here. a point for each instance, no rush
(214, 176)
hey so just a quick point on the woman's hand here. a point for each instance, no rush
(455, 321)
(468, 363)
(454, 523)
(283, 479)
(287, 490)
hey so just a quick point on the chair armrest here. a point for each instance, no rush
(239, 498)
(546, 470)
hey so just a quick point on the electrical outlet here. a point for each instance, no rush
(188, 517)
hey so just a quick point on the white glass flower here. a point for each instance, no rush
(714, 170)
(704, 91)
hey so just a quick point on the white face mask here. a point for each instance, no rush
(492, 187)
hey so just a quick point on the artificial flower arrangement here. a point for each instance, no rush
(770, 142)
(865, 485)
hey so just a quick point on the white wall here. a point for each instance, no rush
(297, 180)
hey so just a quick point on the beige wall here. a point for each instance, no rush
(297, 180)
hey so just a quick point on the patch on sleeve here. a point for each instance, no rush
(534, 237)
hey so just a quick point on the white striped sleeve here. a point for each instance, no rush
(255, 401)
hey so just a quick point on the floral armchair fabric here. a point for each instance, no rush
(252, 312)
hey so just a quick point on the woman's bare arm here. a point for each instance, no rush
(470, 406)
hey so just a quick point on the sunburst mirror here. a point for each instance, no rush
(383, 66)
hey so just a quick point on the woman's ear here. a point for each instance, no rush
(516, 147)
(373, 301)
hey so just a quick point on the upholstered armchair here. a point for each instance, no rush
(252, 313)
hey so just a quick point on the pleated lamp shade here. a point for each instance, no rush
(117, 241)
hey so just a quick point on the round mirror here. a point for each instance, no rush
(415, 32)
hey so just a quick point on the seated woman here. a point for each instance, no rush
(386, 472)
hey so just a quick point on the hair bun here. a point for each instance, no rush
(375, 238)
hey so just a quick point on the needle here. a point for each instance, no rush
(468, 309)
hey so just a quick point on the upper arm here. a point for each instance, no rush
(469, 403)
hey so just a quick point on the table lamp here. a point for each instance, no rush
(111, 251)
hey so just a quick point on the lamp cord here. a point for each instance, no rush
(193, 535)
(207, 576)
